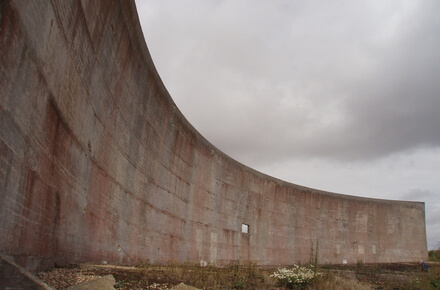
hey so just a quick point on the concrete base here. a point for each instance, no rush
(12, 276)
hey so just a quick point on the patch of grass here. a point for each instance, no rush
(231, 276)
(333, 281)
(434, 277)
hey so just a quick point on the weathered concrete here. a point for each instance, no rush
(12, 276)
(98, 164)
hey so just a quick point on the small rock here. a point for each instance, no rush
(183, 286)
(102, 283)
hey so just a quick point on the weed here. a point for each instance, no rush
(434, 255)
(295, 277)
(436, 282)
(332, 281)
(121, 284)
(250, 276)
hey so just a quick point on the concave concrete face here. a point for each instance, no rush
(98, 164)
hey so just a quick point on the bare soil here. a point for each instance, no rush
(372, 276)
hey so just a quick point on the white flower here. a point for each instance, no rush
(296, 275)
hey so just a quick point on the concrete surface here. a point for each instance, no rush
(98, 164)
(12, 276)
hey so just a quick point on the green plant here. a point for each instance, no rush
(434, 255)
(295, 277)
(121, 284)
(334, 281)
(239, 285)
(436, 282)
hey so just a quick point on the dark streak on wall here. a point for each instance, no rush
(98, 164)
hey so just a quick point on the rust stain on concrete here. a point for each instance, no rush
(98, 164)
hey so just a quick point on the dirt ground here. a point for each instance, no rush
(377, 276)
(390, 276)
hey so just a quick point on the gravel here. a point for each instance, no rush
(62, 278)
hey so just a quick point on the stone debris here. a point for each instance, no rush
(158, 286)
(183, 286)
(63, 278)
(73, 278)
(102, 283)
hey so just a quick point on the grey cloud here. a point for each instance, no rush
(418, 194)
(301, 81)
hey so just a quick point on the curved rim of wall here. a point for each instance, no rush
(164, 92)
(145, 54)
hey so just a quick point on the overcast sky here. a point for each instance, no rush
(342, 96)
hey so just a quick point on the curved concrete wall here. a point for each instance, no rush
(98, 164)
